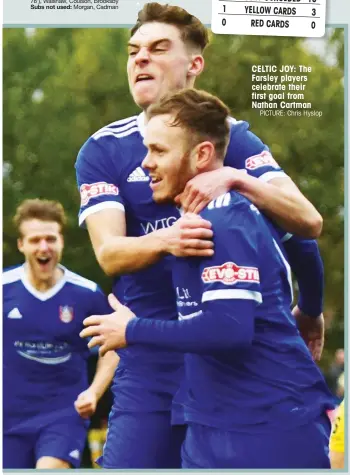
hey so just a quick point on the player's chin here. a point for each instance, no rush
(161, 197)
(143, 100)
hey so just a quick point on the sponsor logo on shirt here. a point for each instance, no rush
(66, 313)
(14, 313)
(96, 189)
(138, 175)
(230, 273)
(43, 351)
(254, 209)
(262, 160)
(75, 454)
(184, 298)
(149, 226)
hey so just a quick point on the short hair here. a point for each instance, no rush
(201, 113)
(43, 210)
(192, 30)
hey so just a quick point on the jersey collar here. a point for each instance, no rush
(141, 118)
(49, 293)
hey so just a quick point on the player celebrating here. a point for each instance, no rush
(132, 236)
(45, 372)
(255, 398)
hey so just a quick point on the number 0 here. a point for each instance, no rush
(313, 25)
(223, 21)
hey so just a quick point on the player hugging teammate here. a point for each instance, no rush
(148, 420)
(211, 357)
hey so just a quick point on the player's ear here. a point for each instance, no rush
(195, 66)
(205, 153)
(20, 244)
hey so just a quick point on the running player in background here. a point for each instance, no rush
(134, 237)
(46, 399)
(255, 397)
(337, 442)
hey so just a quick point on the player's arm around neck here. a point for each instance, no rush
(119, 254)
(282, 201)
(280, 198)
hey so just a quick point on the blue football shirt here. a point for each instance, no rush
(109, 175)
(247, 367)
(44, 358)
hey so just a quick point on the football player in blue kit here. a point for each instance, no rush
(133, 237)
(46, 398)
(255, 398)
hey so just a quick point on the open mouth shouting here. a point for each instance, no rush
(44, 262)
(143, 78)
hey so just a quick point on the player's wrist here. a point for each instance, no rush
(239, 180)
(161, 242)
(95, 391)
(309, 309)
(130, 336)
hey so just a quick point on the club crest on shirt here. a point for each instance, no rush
(66, 313)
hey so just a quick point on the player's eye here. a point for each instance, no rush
(159, 50)
(158, 151)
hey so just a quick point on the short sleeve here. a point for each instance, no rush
(99, 303)
(98, 177)
(247, 151)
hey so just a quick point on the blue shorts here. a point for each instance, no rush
(142, 440)
(62, 438)
(301, 447)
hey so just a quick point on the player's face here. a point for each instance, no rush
(170, 161)
(41, 242)
(159, 62)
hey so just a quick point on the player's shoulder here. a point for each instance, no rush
(12, 274)
(226, 203)
(232, 210)
(237, 126)
(103, 144)
(120, 129)
(79, 281)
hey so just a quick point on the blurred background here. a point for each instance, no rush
(61, 85)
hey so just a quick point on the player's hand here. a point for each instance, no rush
(311, 330)
(86, 403)
(205, 187)
(108, 331)
(190, 235)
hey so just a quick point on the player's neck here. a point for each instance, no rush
(145, 117)
(40, 284)
(215, 164)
